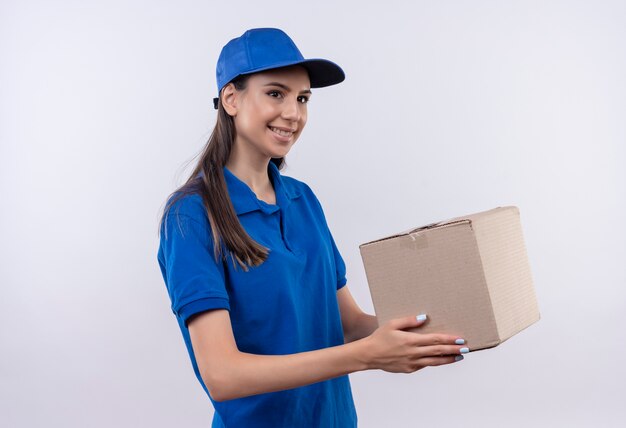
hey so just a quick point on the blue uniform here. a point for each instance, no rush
(286, 305)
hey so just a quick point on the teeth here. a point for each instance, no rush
(281, 132)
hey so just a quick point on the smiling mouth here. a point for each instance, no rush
(280, 132)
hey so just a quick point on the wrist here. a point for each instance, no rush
(360, 352)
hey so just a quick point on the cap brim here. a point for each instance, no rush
(322, 72)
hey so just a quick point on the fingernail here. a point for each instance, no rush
(464, 350)
(459, 341)
(421, 317)
(458, 358)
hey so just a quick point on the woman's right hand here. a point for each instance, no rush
(390, 349)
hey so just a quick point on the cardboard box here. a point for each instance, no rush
(469, 274)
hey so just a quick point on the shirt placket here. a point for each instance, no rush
(283, 234)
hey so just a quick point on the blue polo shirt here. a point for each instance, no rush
(286, 305)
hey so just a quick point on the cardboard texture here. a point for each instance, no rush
(469, 274)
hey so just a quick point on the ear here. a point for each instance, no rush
(230, 99)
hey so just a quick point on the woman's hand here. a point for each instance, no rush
(390, 349)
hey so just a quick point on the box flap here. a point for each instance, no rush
(414, 230)
(453, 220)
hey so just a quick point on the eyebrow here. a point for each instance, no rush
(285, 87)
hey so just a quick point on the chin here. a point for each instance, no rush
(279, 154)
(279, 151)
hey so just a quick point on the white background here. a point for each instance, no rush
(448, 108)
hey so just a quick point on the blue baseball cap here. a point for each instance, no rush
(261, 49)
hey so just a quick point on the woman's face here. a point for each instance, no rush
(271, 112)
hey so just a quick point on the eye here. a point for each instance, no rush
(303, 99)
(273, 92)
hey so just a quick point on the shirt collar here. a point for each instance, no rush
(244, 199)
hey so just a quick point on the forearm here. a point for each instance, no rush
(250, 374)
(365, 325)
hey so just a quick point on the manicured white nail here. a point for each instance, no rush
(464, 350)
(458, 357)
(459, 341)
(421, 317)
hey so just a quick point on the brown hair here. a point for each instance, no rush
(225, 226)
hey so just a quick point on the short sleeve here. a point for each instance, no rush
(195, 281)
(340, 265)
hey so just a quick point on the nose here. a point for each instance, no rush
(291, 109)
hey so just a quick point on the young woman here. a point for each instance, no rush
(255, 278)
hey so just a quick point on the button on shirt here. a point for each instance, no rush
(286, 305)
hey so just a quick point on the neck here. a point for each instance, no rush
(252, 170)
